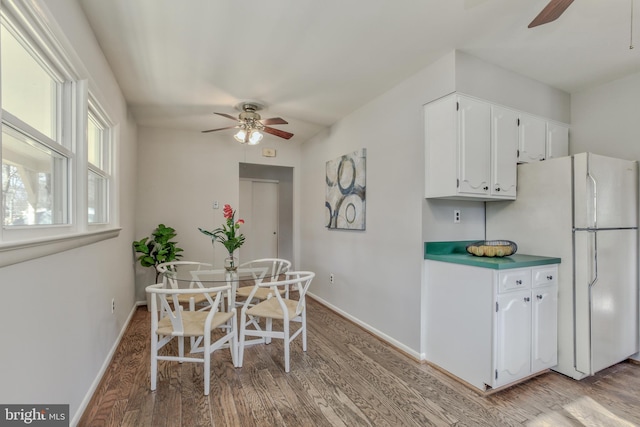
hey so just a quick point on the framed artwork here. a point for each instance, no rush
(345, 202)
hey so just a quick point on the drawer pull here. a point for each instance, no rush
(549, 277)
(518, 282)
(527, 299)
(539, 297)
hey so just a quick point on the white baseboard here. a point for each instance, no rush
(96, 382)
(409, 351)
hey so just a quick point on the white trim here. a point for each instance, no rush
(107, 362)
(24, 250)
(411, 352)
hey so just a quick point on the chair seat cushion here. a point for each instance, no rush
(193, 323)
(197, 298)
(271, 308)
(261, 293)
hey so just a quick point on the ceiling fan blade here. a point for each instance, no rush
(227, 116)
(278, 132)
(551, 12)
(213, 130)
(274, 121)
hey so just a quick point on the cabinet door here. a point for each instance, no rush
(557, 140)
(504, 152)
(513, 337)
(544, 318)
(475, 146)
(441, 148)
(533, 137)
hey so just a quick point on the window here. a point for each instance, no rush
(99, 160)
(34, 163)
(56, 142)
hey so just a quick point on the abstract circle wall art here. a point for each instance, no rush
(345, 202)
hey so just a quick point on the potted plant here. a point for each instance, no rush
(158, 248)
(229, 235)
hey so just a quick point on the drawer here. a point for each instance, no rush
(514, 279)
(542, 276)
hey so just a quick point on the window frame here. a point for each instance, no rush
(31, 25)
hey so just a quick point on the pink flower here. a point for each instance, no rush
(227, 211)
(240, 221)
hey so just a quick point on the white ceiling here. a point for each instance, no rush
(314, 61)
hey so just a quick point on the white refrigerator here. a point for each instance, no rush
(583, 209)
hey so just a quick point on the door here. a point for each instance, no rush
(475, 146)
(533, 139)
(606, 192)
(504, 151)
(557, 140)
(259, 209)
(513, 337)
(544, 324)
(606, 298)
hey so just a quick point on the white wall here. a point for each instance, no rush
(605, 119)
(181, 173)
(496, 84)
(377, 271)
(57, 327)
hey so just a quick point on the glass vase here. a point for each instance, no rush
(231, 263)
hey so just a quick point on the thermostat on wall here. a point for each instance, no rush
(268, 152)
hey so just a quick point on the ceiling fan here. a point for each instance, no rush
(250, 124)
(551, 12)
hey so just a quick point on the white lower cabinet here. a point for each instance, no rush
(512, 336)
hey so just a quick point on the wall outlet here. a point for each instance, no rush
(216, 205)
(456, 216)
(331, 278)
(113, 305)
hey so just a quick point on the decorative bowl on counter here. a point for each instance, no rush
(492, 248)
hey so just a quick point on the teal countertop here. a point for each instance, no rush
(456, 252)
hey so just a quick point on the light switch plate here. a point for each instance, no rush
(268, 152)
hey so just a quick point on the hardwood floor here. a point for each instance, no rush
(346, 378)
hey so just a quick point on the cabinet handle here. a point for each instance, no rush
(518, 282)
(497, 188)
(527, 299)
(485, 188)
(549, 277)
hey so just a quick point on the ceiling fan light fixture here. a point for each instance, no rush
(240, 135)
(255, 137)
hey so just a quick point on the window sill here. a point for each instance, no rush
(15, 252)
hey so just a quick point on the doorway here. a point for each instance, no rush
(266, 205)
(259, 209)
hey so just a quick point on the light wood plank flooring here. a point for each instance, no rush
(346, 378)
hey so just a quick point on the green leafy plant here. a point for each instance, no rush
(229, 234)
(158, 248)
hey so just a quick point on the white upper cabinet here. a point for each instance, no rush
(557, 140)
(474, 139)
(504, 148)
(470, 149)
(533, 139)
(541, 139)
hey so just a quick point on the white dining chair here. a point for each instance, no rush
(276, 306)
(193, 300)
(210, 329)
(264, 269)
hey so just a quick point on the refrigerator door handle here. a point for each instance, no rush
(594, 195)
(594, 265)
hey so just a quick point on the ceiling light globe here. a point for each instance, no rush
(255, 137)
(240, 135)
